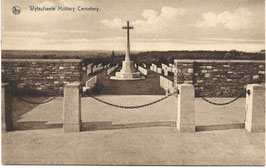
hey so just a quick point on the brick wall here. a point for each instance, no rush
(219, 78)
(40, 76)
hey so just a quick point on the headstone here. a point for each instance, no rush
(159, 70)
(165, 72)
(155, 68)
(144, 65)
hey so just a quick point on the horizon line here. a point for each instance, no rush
(125, 51)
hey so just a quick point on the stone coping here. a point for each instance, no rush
(41, 60)
(219, 61)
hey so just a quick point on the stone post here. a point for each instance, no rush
(72, 108)
(7, 124)
(186, 108)
(255, 108)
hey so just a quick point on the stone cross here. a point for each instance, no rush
(128, 46)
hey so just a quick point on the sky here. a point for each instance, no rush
(158, 25)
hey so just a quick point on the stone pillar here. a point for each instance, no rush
(255, 108)
(72, 108)
(7, 124)
(186, 108)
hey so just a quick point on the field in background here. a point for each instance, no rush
(147, 57)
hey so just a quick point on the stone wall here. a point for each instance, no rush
(219, 78)
(40, 76)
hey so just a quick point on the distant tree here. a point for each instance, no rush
(112, 55)
(232, 54)
(262, 51)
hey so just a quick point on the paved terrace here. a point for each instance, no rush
(145, 136)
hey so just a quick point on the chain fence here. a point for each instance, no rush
(42, 102)
(137, 106)
(225, 103)
(132, 107)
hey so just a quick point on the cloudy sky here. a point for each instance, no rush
(158, 25)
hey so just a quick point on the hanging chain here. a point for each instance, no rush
(42, 102)
(132, 107)
(225, 103)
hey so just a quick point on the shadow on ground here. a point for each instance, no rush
(36, 125)
(92, 126)
(108, 125)
(20, 110)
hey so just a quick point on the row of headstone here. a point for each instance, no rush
(166, 69)
(112, 69)
(156, 68)
(143, 70)
(167, 85)
(96, 68)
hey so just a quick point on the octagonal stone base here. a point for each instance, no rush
(127, 76)
(127, 72)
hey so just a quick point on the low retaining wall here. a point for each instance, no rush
(143, 70)
(167, 84)
(219, 78)
(91, 82)
(40, 76)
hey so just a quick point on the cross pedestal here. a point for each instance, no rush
(127, 72)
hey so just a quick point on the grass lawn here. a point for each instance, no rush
(148, 86)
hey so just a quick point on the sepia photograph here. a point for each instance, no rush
(133, 83)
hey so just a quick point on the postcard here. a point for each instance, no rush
(133, 83)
